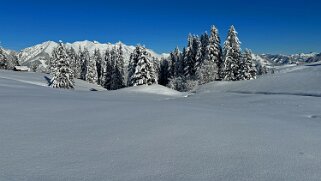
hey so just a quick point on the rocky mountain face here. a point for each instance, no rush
(291, 59)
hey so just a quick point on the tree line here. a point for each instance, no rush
(203, 60)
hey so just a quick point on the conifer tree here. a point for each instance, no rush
(197, 55)
(164, 73)
(117, 65)
(99, 64)
(3, 60)
(205, 42)
(119, 72)
(207, 71)
(85, 58)
(181, 65)
(232, 56)
(192, 57)
(63, 75)
(188, 58)
(215, 53)
(91, 74)
(73, 57)
(144, 73)
(249, 69)
(107, 82)
(174, 64)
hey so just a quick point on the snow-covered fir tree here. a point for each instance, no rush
(117, 76)
(174, 64)
(91, 74)
(192, 57)
(99, 64)
(3, 60)
(198, 57)
(215, 53)
(249, 69)
(206, 71)
(74, 62)
(62, 74)
(232, 57)
(107, 77)
(181, 65)
(205, 42)
(120, 66)
(188, 58)
(141, 70)
(85, 58)
(164, 72)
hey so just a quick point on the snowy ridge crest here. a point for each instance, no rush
(39, 55)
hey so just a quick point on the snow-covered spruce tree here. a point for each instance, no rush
(78, 63)
(132, 64)
(99, 64)
(120, 68)
(232, 57)
(198, 58)
(188, 58)
(156, 64)
(85, 58)
(62, 75)
(193, 57)
(164, 73)
(117, 75)
(91, 74)
(174, 62)
(107, 78)
(205, 42)
(73, 57)
(181, 64)
(144, 73)
(215, 53)
(207, 70)
(249, 69)
(3, 60)
(103, 70)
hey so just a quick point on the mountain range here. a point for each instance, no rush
(39, 55)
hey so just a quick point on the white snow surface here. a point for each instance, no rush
(41, 79)
(259, 130)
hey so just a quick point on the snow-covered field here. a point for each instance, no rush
(266, 129)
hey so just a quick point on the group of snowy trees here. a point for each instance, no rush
(204, 60)
(66, 64)
(3, 60)
(7, 61)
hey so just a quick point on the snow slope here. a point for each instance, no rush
(259, 130)
(41, 79)
(292, 80)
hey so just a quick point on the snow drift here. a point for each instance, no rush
(219, 133)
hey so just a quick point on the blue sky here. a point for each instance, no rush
(273, 26)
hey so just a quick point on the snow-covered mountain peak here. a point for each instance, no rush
(39, 55)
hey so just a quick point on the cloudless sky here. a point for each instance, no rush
(268, 26)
